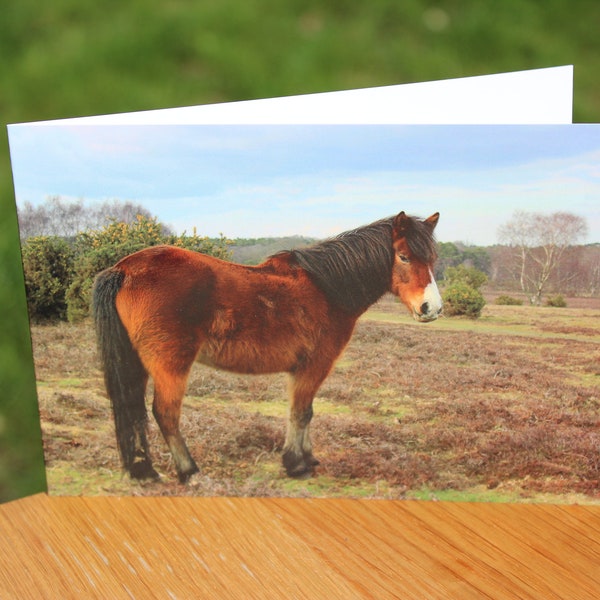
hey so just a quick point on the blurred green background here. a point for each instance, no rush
(70, 58)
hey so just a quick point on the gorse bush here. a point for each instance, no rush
(60, 275)
(461, 295)
(462, 299)
(506, 300)
(98, 250)
(468, 275)
(48, 269)
(556, 301)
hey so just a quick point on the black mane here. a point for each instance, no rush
(354, 269)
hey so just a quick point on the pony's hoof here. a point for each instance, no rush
(300, 472)
(299, 467)
(188, 476)
(143, 471)
(310, 460)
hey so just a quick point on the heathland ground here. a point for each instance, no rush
(503, 408)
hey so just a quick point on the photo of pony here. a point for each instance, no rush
(159, 310)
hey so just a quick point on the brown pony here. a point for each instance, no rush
(160, 309)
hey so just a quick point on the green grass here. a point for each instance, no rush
(478, 494)
(71, 58)
(483, 494)
(517, 321)
(69, 481)
(328, 487)
(72, 383)
(271, 408)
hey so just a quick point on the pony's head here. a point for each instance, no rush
(412, 272)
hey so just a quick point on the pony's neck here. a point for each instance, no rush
(352, 273)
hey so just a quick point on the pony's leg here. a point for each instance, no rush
(298, 457)
(169, 390)
(141, 463)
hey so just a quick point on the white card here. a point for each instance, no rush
(66, 158)
(541, 96)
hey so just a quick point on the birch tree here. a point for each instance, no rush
(539, 242)
(65, 219)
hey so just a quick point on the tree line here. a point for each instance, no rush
(541, 252)
(60, 218)
(65, 244)
(538, 254)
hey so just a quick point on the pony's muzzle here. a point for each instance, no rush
(427, 312)
(426, 317)
(431, 304)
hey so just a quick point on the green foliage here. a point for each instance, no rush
(557, 301)
(98, 250)
(506, 300)
(461, 294)
(452, 255)
(448, 256)
(249, 251)
(59, 276)
(461, 299)
(219, 247)
(470, 276)
(21, 459)
(477, 257)
(48, 269)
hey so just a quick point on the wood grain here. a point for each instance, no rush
(99, 547)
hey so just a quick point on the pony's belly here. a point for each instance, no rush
(258, 337)
(244, 358)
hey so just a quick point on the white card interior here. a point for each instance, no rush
(539, 96)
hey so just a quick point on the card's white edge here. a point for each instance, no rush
(537, 96)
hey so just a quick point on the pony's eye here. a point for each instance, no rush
(404, 259)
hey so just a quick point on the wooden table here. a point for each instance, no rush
(113, 548)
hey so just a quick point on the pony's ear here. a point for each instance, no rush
(401, 223)
(432, 221)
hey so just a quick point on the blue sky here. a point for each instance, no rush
(253, 181)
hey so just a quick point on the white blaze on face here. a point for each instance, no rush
(433, 300)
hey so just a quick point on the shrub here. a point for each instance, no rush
(470, 276)
(218, 248)
(98, 250)
(556, 301)
(462, 299)
(48, 270)
(508, 301)
(87, 266)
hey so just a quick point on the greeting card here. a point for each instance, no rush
(316, 303)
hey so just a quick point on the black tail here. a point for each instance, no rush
(124, 376)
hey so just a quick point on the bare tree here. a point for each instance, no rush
(66, 218)
(539, 242)
(33, 220)
(58, 217)
(118, 210)
(590, 262)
